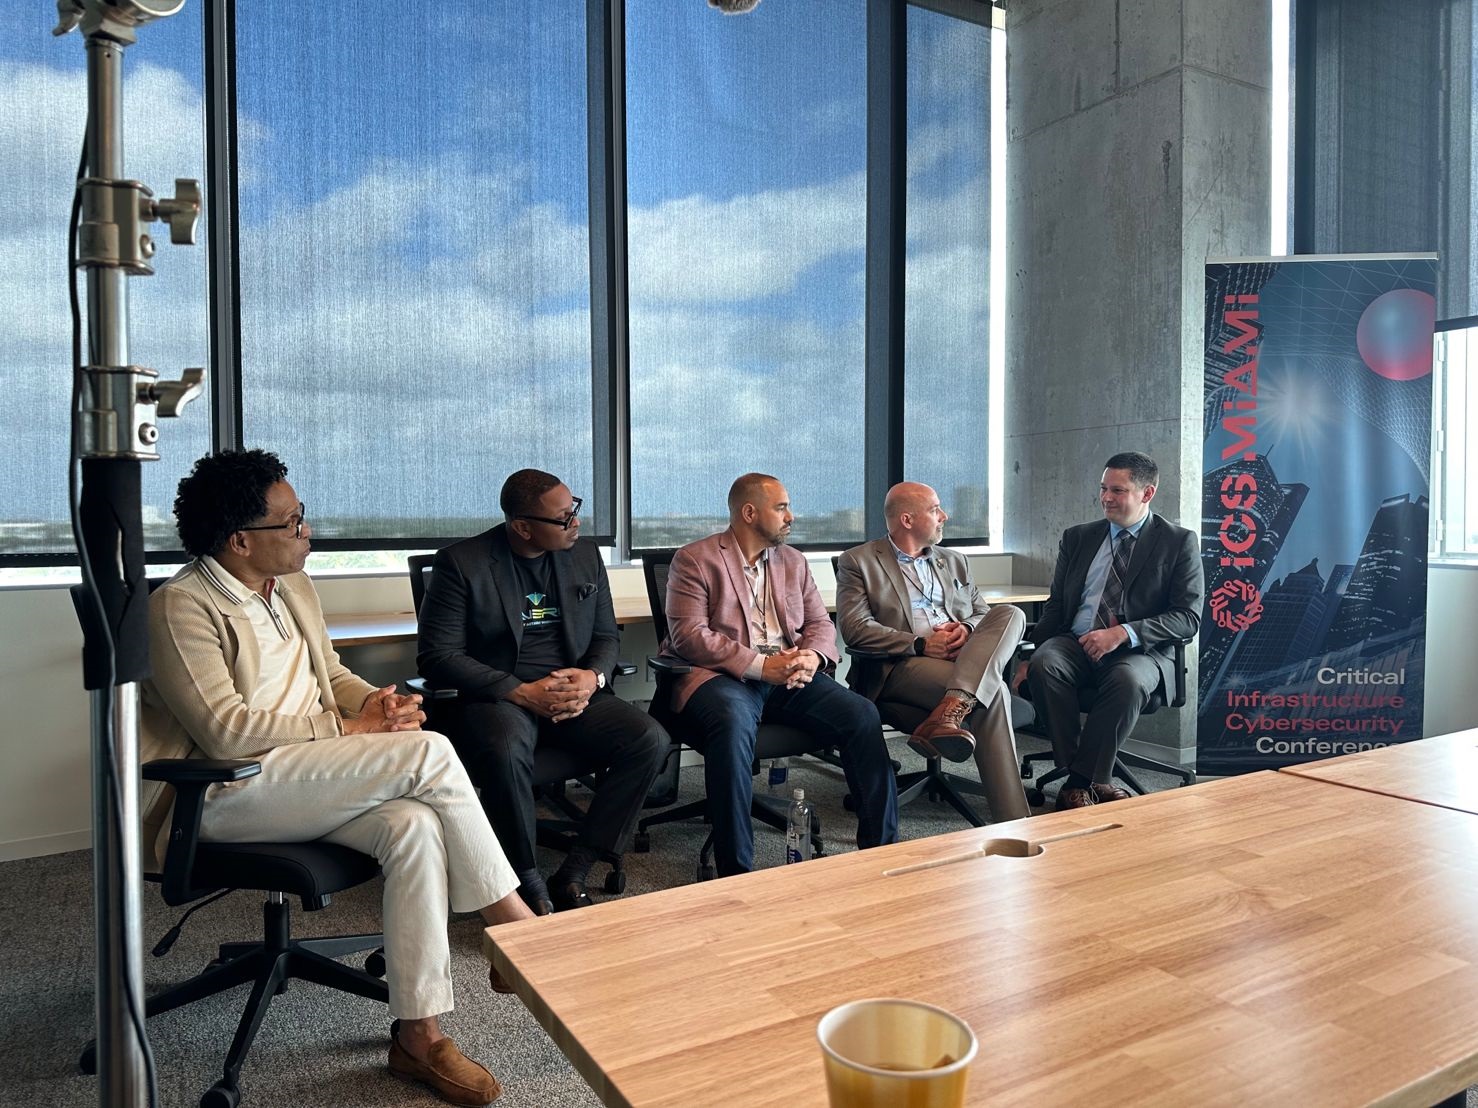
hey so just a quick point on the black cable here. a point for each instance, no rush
(161, 948)
(95, 596)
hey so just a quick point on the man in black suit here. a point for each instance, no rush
(1124, 589)
(519, 621)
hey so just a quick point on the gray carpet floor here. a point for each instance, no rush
(317, 1047)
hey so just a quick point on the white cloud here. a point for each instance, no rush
(697, 249)
(428, 322)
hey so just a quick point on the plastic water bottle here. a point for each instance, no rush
(798, 829)
(778, 770)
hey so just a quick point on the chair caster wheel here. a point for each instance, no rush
(221, 1096)
(88, 1062)
(707, 871)
(615, 882)
(642, 843)
(1028, 771)
(848, 803)
(374, 965)
(1035, 797)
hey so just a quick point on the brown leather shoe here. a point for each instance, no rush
(447, 1072)
(1106, 793)
(942, 734)
(1074, 797)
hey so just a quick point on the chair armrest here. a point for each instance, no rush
(429, 691)
(874, 655)
(199, 771)
(665, 664)
(190, 778)
(1180, 690)
(625, 668)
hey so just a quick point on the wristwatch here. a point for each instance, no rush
(600, 679)
(918, 647)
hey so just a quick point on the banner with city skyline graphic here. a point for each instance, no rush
(1317, 452)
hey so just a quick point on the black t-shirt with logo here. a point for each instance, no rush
(543, 649)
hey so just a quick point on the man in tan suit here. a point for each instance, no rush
(243, 668)
(743, 608)
(905, 595)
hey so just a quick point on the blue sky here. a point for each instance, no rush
(414, 243)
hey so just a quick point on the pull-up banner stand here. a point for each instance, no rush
(1318, 429)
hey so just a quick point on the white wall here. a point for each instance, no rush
(45, 779)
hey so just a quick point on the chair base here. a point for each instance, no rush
(268, 966)
(1122, 762)
(935, 784)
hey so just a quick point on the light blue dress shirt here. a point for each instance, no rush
(1098, 576)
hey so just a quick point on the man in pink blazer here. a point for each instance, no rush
(744, 611)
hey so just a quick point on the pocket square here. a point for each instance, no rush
(587, 590)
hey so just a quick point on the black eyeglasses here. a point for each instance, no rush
(295, 524)
(562, 524)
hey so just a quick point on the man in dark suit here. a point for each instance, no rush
(743, 608)
(1124, 589)
(519, 621)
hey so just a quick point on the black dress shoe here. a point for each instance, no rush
(569, 895)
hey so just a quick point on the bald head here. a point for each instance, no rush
(915, 518)
(750, 489)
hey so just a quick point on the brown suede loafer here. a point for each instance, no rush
(1074, 797)
(447, 1072)
(1106, 793)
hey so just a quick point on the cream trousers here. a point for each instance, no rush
(402, 797)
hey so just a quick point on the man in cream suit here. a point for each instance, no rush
(243, 668)
(743, 609)
(905, 595)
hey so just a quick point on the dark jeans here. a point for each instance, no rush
(726, 715)
(496, 743)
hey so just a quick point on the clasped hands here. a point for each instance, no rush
(562, 695)
(1103, 642)
(386, 710)
(792, 667)
(946, 640)
(1098, 645)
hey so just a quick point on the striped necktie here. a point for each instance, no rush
(1111, 603)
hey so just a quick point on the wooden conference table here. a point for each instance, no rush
(369, 628)
(1441, 771)
(1268, 939)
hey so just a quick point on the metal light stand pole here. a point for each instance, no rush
(116, 429)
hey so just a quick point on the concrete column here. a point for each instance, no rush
(1138, 145)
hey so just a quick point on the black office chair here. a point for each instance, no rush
(553, 767)
(773, 740)
(1125, 759)
(194, 870)
(933, 781)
